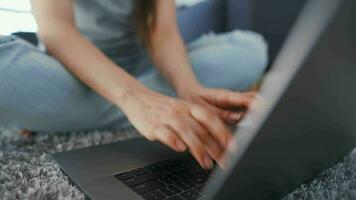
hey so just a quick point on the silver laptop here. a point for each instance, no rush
(306, 123)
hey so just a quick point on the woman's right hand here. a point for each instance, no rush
(178, 124)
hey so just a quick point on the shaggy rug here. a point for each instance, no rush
(28, 172)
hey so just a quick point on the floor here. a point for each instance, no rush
(28, 172)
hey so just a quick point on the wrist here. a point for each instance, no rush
(187, 89)
(129, 94)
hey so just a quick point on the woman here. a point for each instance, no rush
(99, 72)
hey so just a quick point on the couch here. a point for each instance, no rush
(272, 18)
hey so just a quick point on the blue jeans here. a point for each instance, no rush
(38, 93)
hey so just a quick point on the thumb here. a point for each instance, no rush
(230, 117)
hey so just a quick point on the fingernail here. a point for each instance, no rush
(222, 164)
(208, 162)
(235, 117)
(180, 146)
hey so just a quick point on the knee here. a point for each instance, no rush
(37, 92)
(234, 60)
(254, 57)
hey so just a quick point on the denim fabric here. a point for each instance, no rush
(38, 93)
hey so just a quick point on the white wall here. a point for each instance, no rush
(15, 16)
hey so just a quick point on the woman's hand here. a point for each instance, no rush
(228, 105)
(179, 124)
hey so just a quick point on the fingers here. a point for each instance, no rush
(168, 137)
(230, 100)
(180, 136)
(211, 145)
(213, 124)
(194, 144)
(230, 117)
(239, 99)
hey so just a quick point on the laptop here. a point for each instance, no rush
(306, 123)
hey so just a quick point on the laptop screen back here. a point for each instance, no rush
(310, 119)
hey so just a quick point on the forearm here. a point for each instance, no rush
(169, 55)
(89, 64)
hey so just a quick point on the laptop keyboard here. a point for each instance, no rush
(176, 179)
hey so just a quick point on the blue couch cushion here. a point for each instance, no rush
(202, 18)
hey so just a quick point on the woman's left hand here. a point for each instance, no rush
(228, 105)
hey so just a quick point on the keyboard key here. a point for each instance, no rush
(178, 179)
(199, 180)
(160, 170)
(154, 168)
(189, 182)
(170, 190)
(184, 174)
(199, 188)
(124, 176)
(197, 171)
(164, 173)
(184, 185)
(148, 186)
(155, 195)
(172, 163)
(170, 179)
(140, 179)
(163, 162)
(175, 169)
(139, 171)
(190, 195)
(175, 198)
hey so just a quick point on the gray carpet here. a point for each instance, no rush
(28, 172)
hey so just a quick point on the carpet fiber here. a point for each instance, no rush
(28, 172)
